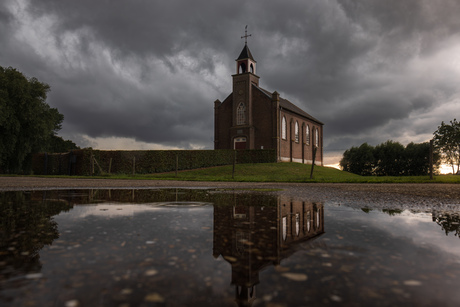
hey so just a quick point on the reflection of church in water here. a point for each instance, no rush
(252, 238)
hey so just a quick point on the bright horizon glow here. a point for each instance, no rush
(443, 169)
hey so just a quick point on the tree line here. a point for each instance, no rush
(393, 159)
(27, 123)
(389, 159)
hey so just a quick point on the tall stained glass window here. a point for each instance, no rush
(241, 114)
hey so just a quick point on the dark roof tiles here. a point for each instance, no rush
(245, 54)
(286, 104)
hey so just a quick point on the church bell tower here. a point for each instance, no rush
(242, 128)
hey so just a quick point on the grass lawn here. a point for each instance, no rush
(280, 172)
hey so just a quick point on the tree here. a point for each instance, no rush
(27, 122)
(417, 159)
(58, 144)
(359, 160)
(389, 158)
(447, 141)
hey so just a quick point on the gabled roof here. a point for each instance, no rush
(286, 104)
(245, 54)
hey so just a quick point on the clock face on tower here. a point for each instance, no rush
(240, 92)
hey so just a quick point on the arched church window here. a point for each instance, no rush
(283, 128)
(284, 228)
(242, 68)
(316, 137)
(297, 224)
(296, 129)
(307, 135)
(241, 114)
(251, 69)
(318, 222)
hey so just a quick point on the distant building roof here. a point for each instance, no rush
(286, 104)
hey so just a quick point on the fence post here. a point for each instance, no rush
(60, 168)
(92, 164)
(313, 162)
(70, 163)
(234, 162)
(134, 165)
(431, 159)
(110, 165)
(177, 163)
(46, 164)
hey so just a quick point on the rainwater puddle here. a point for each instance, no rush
(209, 248)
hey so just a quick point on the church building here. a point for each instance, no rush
(254, 118)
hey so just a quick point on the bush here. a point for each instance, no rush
(87, 161)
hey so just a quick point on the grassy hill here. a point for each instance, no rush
(274, 172)
(287, 172)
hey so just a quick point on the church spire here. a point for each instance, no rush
(245, 61)
(245, 54)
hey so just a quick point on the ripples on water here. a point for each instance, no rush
(207, 248)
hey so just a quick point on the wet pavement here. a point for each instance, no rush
(208, 247)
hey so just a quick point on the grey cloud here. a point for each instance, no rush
(145, 27)
(150, 70)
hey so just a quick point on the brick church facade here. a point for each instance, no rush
(254, 118)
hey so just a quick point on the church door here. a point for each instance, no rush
(240, 143)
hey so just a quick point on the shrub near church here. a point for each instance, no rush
(99, 162)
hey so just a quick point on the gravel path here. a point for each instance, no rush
(374, 195)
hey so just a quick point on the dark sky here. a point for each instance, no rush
(143, 74)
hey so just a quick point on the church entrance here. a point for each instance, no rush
(239, 143)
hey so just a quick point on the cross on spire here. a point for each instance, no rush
(246, 35)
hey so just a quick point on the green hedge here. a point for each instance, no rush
(50, 164)
(87, 162)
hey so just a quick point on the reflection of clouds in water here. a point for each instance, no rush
(120, 210)
(105, 210)
(141, 239)
(417, 227)
(156, 216)
(426, 233)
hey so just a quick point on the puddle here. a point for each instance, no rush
(206, 248)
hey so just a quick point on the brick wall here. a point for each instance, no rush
(263, 123)
(301, 150)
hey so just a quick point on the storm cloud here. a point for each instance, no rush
(144, 74)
